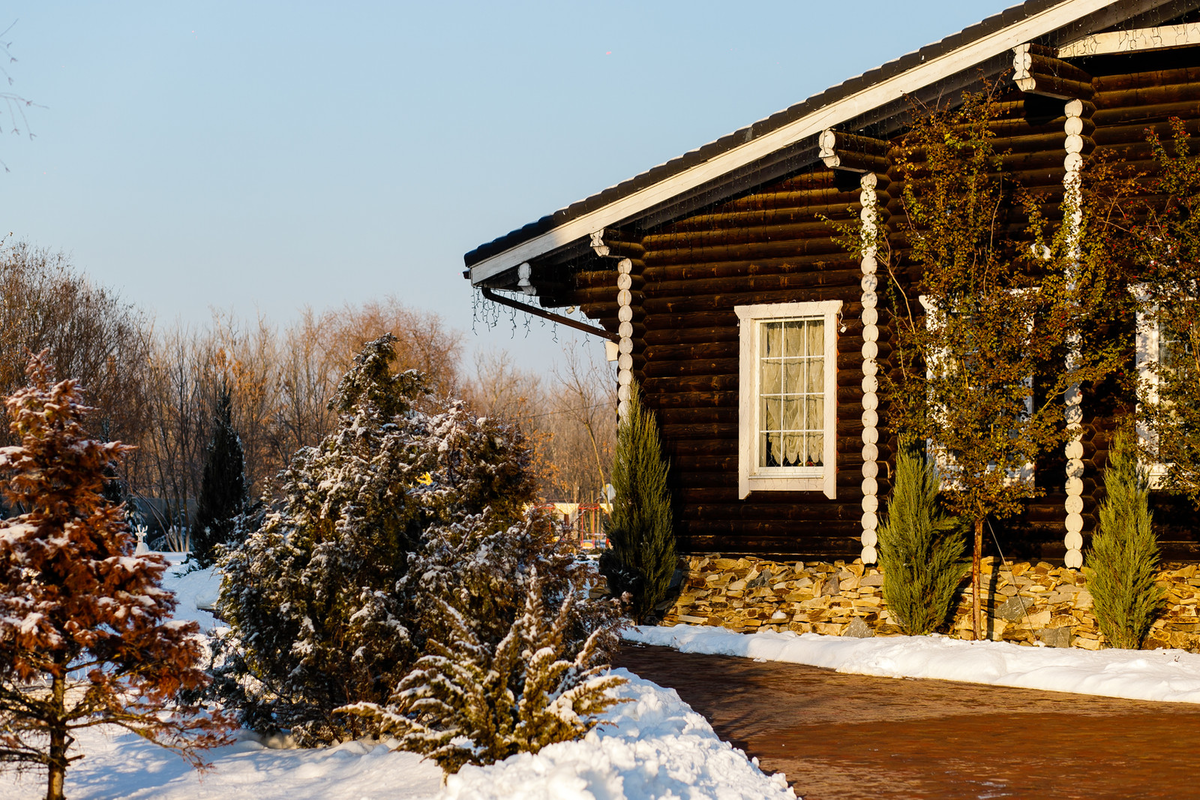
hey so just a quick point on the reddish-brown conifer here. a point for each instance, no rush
(86, 634)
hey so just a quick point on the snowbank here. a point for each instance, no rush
(655, 747)
(1164, 675)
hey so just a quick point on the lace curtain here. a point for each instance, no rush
(791, 386)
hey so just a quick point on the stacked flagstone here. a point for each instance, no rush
(1024, 602)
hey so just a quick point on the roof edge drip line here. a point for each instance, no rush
(538, 312)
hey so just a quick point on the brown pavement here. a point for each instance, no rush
(838, 737)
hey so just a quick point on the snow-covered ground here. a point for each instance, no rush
(653, 746)
(1164, 675)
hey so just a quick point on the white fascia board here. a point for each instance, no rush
(825, 117)
(1134, 41)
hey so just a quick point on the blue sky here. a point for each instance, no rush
(264, 156)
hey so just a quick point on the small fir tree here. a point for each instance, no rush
(86, 635)
(640, 558)
(920, 548)
(321, 614)
(1124, 560)
(222, 487)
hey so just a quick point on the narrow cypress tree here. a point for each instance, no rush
(1124, 557)
(920, 548)
(640, 559)
(222, 488)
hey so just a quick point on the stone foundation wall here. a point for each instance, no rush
(1022, 603)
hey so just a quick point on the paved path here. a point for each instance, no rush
(838, 737)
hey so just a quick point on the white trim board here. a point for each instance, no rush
(1162, 38)
(828, 116)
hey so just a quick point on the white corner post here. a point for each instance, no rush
(1073, 398)
(625, 320)
(870, 382)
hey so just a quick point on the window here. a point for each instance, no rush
(945, 460)
(788, 397)
(1157, 353)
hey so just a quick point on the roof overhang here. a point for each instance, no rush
(1072, 20)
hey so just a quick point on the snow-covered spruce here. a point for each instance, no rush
(400, 529)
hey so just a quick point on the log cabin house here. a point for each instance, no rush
(690, 266)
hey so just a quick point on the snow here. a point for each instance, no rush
(1160, 675)
(195, 592)
(654, 746)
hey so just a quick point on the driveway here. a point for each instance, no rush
(838, 737)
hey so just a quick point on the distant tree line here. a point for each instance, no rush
(160, 387)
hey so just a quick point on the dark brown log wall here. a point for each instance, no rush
(777, 245)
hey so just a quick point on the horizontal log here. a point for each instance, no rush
(698, 366)
(699, 270)
(1159, 111)
(778, 530)
(740, 219)
(681, 448)
(1164, 94)
(683, 352)
(834, 290)
(746, 250)
(711, 430)
(700, 463)
(711, 415)
(1048, 84)
(691, 383)
(717, 503)
(658, 337)
(847, 274)
(1148, 79)
(783, 231)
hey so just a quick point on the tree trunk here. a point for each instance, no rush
(976, 557)
(56, 761)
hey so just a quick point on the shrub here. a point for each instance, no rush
(516, 657)
(1124, 557)
(640, 558)
(920, 548)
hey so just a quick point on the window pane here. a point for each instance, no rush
(791, 402)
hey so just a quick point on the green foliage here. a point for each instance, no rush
(1124, 558)
(402, 540)
(222, 488)
(1169, 242)
(640, 558)
(1001, 320)
(483, 693)
(920, 549)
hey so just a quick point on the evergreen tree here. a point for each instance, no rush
(1124, 558)
(222, 488)
(322, 616)
(86, 635)
(920, 548)
(640, 558)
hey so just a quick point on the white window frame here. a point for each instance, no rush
(751, 477)
(945, 463)
(1146, 349)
